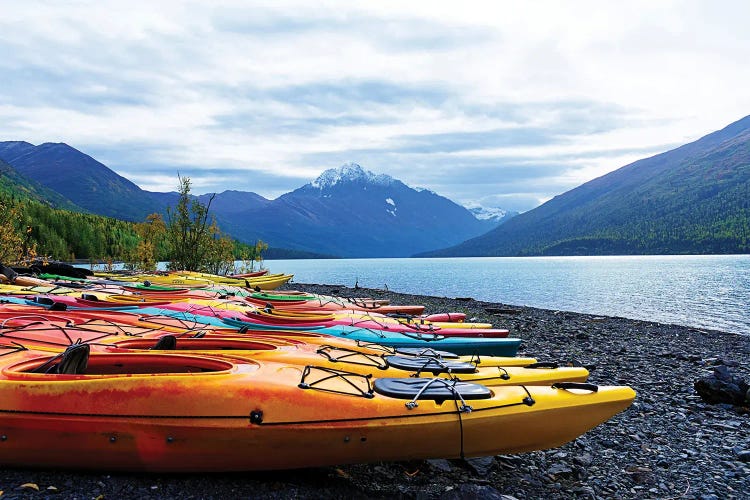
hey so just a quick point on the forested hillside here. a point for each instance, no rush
(15, 185)
(80, 178)
(694, 199)
(67, 235)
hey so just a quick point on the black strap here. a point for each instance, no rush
(9, 273)
(567, 386)
(547, 364)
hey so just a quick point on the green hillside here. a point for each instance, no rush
(15, 185)
(694, 199)
(80, 178)
(67, 235)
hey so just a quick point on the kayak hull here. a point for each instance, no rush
(260, 416)
(457, 345)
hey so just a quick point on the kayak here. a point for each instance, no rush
(55, 336)
(35, 325)
(303, 301)
(189, 413)
(362, 362)
(286, 320)
(252, 274)
(444, 329)
(458, 345)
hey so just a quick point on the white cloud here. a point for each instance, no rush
(262, 87)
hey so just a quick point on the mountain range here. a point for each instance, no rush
(347, 211)
(80, 178)
(693, 199)
(16, 185)
(353, 212)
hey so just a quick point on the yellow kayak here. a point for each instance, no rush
(189, 413)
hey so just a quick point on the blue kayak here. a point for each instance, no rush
(213, 320)
(458, 345)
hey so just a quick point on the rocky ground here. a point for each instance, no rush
(669, 444)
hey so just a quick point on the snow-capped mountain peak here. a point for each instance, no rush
(349, 172)
(486, 213)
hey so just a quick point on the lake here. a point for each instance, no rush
(705, 291)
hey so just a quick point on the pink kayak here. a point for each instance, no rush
(369, 324)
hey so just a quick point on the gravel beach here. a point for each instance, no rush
(669, 444)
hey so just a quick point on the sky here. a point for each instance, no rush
(501, 104)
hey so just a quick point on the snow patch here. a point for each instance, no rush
(485, 213)
(392, 203)
(349, 172)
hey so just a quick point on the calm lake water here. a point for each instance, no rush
(706, 291)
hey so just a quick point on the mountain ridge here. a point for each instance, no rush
(19, 186)
(80, 178)
(352, 212)
(346, 211)
(648, 206)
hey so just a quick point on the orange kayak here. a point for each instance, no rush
(189, 413)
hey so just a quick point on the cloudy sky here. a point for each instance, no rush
(500, 103)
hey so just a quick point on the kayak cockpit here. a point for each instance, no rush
(77, 361)
(172, 343)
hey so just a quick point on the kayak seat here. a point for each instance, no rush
(74, 360)
(432, 365)
(45, 301)
(425, 351)
(431, 389)
(166, 343)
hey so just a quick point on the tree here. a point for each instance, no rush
(220, 254)
(260, 247)
(249, 255)
(187, 230)
(150, 233)
(11, 242)
(194, 239)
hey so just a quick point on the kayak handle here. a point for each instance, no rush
(545, 364)
(567, 386)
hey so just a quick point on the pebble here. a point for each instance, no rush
(560, 469)
(481, 465)
(670, 444)
(440, 464)
(583, 459)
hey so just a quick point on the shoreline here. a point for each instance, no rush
(668, 444)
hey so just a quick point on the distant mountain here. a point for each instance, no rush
(233, 202)
(345, 212)
(225, 203)
(79, 178)
(352, 212)
(693, 199)
(494, 214)
(14, 184)
(14, 149)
